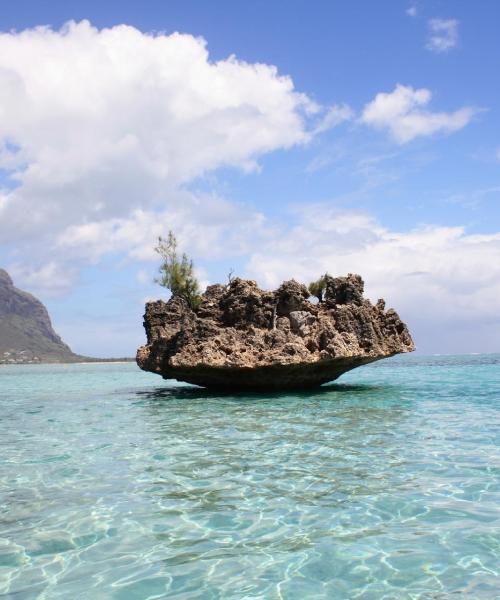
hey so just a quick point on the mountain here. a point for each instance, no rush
(26, 333)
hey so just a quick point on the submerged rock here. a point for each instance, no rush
(244, 338)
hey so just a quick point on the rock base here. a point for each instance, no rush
(271, 378)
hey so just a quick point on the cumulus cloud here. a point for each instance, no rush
(411, 11)
(443, 35)
(102, 128)
(403, 113)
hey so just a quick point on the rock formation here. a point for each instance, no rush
(26, 333)
(244, 338)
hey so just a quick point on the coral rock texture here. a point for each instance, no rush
(244, 338)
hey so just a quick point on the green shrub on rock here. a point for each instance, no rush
(317, 288)
(177, 274)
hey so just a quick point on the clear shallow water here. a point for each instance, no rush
(115, 484)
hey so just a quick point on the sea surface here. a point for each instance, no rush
(115, 484)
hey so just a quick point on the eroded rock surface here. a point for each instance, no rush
(244, 338)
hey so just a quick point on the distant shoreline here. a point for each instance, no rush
(97, 361)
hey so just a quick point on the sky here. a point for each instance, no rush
(277, 139)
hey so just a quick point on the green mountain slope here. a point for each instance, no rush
(26, 333)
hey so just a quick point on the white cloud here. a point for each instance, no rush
(411, 11)
(200, 222)
(97, 123)
(403, 113)
(49, 279)
(443, 35)
(336, 114)
(432, 273)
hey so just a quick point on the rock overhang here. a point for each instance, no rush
(242, 337)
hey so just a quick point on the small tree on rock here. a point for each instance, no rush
(177, 274)
(317, 288)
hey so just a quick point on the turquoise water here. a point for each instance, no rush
(115, 484)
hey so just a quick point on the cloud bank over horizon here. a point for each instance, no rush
(440, 274)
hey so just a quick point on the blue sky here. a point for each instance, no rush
(379, 154)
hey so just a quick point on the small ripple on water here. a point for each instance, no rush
(386, 488)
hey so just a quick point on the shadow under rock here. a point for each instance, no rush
(188, 392)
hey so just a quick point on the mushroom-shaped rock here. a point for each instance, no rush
(244, 338)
